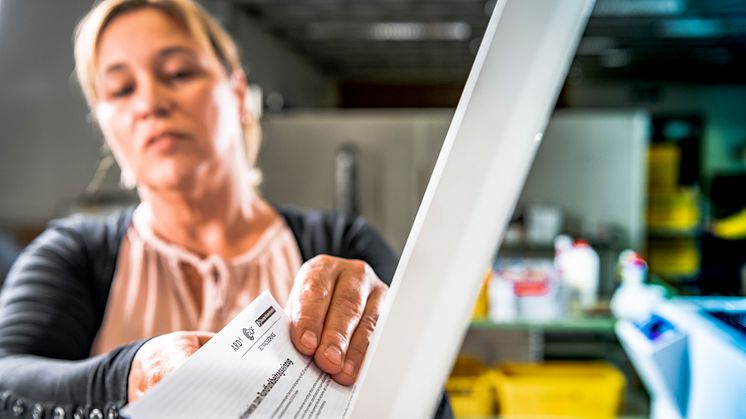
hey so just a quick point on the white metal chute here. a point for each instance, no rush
(489, 148)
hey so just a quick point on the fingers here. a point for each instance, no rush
(347, 306)
(333, 309)
(135, 381)
(202, 337)
(183, 345)
(361, 338)
(309, 302)
(159, 356)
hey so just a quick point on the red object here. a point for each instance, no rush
(582, 243)
(530, 288)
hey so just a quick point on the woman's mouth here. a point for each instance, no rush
(164, 141)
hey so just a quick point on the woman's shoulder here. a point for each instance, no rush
(94, 228)
(339, 234)
(304, 221)
(78, 249)
(83, 235)
(302, 215)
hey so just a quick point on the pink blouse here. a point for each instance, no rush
(150, 293)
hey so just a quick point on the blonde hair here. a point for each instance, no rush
(208, 33)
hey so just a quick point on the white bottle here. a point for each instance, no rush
(580, 270)
(634, 300)
(502, 299)
(565, 293)
(562, 246)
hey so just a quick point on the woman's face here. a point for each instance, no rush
(167, 108)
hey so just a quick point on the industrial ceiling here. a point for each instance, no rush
(434, 41)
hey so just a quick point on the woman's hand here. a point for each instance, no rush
(159, 356)
(333, 309)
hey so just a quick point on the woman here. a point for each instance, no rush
(83, 303)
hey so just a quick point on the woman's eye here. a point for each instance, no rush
(122, 91)
(180, 75)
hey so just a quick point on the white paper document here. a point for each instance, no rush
(250, 369)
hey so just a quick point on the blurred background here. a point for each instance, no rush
(646, 151)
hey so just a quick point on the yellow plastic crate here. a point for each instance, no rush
(663, 166)
(559, 389)
(674, 258)
(674, 210)
(470, 389)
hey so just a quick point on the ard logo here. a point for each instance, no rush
(249, 333)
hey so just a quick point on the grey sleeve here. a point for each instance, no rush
(51, 307)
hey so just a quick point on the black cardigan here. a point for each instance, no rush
(55, 297)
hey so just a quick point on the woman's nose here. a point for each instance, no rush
(151, 99)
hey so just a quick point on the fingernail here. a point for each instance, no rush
(333, 354)
(308, 339)
(349, 368)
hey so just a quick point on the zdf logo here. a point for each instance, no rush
(249, 333)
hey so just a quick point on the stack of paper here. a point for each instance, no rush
(250, 369)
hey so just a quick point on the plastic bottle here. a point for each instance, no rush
(502, 299)
(634, 300)
(562, 244)
(632, 267)
(580, 271)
